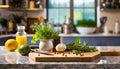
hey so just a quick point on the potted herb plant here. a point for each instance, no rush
(86, 26)
(17, 18)
(45, 33)
(3, 23)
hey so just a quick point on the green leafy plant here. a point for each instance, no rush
(78, 46)
(17, 19)
(86, 23)
(43, 32)
(16, 3)
(3, 21)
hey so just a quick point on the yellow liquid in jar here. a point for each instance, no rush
(21, 40)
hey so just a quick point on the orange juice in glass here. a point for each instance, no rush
(21, 36)
(21, 40)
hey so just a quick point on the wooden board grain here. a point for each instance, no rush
(110, 53)
(66, 57)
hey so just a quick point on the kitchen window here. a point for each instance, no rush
(58, 10)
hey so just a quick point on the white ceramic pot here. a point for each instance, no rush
(86, 30)
(46, 45)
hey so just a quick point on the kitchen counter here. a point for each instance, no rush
(70, 35)
(91, 39)
(89, 35)
(13, 60)
(13, 35)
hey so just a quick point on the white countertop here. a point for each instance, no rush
(70, 35)
(13, 35)
(18, 59)
(89, 35)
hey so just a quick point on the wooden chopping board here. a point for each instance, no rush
(64, 57)
(110, 53)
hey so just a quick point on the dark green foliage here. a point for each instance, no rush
(86, 23)
(17, 18)
(78, 46)
(16, 3)
(76, 51)
(43, 32)
(3, 21)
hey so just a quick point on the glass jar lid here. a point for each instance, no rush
(20, 27)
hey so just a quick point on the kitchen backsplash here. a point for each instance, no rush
(112, 16)
(30, 14)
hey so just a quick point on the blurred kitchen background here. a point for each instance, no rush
(57, 12)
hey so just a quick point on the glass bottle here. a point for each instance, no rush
(32, 4)
(21, 36)
(103, 3)
(108, 4)
(113, 4)
(116, 26)
(116, 4)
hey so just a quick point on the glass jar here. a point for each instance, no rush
(32, 4)
(21, 36)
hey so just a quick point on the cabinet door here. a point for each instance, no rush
(30, 22)
(3, 40)
(96, 41)
(0, 2)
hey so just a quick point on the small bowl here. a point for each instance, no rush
(85, 30)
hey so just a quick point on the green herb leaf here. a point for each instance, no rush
(86, 23)
(79, 46)
(75, 51)
(77, 41)
(44, 31)
(85, 44)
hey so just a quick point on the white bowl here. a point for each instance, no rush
(86, 30)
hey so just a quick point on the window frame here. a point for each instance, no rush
(71, 10)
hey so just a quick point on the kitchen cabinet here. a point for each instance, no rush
(92, 40)
(23, 5)
(31, 21)
(32, 12)
(96, 41)
(110, 5)
(7, 7)
(4, 39)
